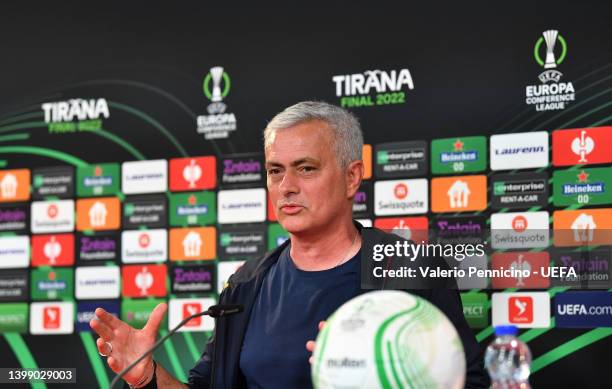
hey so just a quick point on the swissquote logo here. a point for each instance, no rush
(400, 197)
(551, 94)
(52, 216)
(516, 230)
(144, 246)
(219, 123)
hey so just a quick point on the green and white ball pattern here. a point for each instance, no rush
(388, 339)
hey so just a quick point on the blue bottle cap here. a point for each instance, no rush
(506, 330)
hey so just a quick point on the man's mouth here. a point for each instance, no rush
(291, 209)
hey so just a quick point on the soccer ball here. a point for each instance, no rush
(388, 339)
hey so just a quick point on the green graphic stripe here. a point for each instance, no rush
(193, 350)
(321, 347)
(152, 122)
(602, 121)
(114, 138)
(23, 126)
(179, 373)
(378, 345)
(413, 376)
(49, 153)
(8, 138)
(575, 119)
(574, 106)
(31, 115)
(94, 358)
(482, 335)
(22, 352)
(101, 132)
(570, 347)
(393, 369)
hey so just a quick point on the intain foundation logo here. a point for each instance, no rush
(218, 123)
(75, 115)
(373, 87)
(551, 95)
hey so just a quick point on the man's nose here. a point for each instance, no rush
(289, 184)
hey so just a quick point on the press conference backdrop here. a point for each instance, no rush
(131, 159)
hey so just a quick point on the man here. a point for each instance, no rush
(314, 169)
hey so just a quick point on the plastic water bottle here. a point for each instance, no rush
(508, 360)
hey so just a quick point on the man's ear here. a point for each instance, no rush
(354, 175)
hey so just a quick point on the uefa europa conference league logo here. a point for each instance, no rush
(550, 95)
(218, 123)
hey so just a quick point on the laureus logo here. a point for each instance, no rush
(549, 51)
(218, 123)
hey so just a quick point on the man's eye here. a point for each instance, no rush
(273, 171)
(307, 168)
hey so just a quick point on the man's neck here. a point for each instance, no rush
(327, 248)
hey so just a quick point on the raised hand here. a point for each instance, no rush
(127, 343)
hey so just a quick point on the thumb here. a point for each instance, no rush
(156, 318)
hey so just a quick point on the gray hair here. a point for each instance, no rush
(347, 135)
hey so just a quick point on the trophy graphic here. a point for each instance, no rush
(216, 73)
(519, 266)
(550, 37)
(52, 250)
(192, 173)
(583, 146)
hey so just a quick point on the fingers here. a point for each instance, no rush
(110, 320)
(113, 364)
(310, 345)
(101, 329)
(102, 346)
(156, 318)
(310, 360)
(321, 325)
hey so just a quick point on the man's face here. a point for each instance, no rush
(307, 187)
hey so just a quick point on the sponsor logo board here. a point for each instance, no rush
(459, 194)
(144, 176)
(524, 150)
